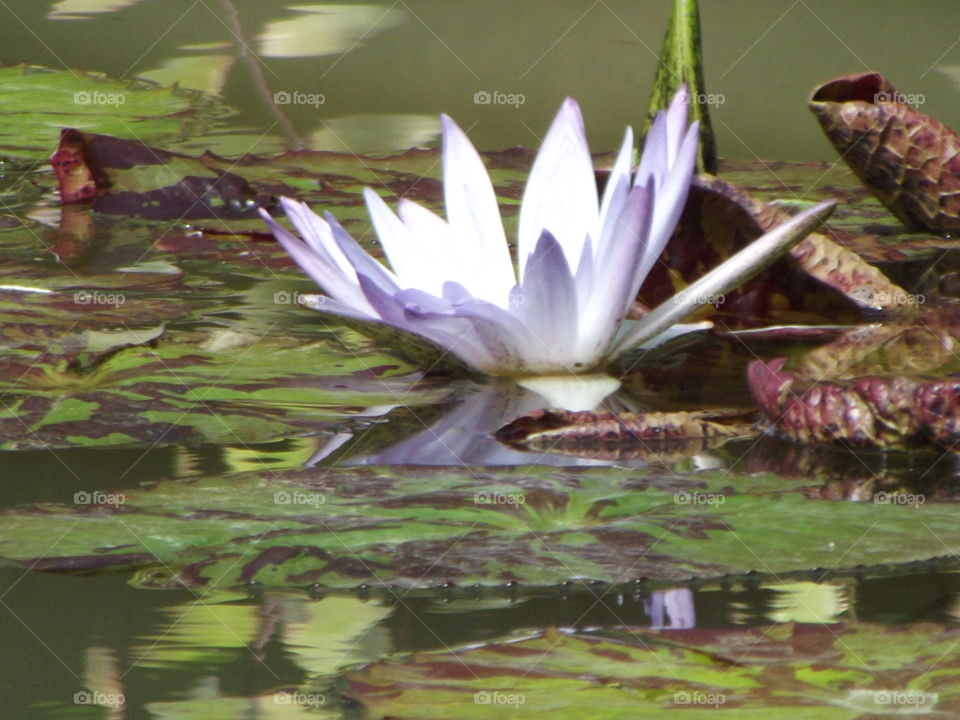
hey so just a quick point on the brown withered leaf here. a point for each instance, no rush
(128, 177)
(658, 436)
(820, 280)
(862, 412)
(74, 175)
(908, 160)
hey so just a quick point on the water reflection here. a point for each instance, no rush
(462, 435)
(317, 30)
(671, 609)
(232, 655)
(79, 9)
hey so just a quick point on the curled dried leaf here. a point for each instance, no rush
(720, 218)
(908, 160)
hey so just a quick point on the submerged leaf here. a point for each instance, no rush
(127, 386)
(128, 177)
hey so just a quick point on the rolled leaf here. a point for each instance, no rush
(757, 256)
(864, 412)
(908, 160)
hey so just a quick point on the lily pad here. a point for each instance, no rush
(95, 388)
(866, 412)
(653, 436)
(861, 223)
(420, 527)
(35, 103)
(787, 671)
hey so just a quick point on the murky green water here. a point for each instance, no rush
(375, 80)
(386, 72)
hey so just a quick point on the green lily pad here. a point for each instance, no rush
(419, 527)
(786, 671)
(114, 387)
(35, 103)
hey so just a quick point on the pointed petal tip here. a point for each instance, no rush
(289, 204)
(447, 123)
(571, 105)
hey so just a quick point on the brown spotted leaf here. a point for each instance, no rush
(653, 435)
(866, 411)
(908, 160)
(721, 218)
(128, 177)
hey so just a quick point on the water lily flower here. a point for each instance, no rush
(581, 259)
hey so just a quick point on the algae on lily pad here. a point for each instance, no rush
(831, 672)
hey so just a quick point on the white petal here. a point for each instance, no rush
(654, 161)
(618, 184)
(411, 265)
(615, 277)
(671, 196)
(473, 213)
(561, 194)
(316, 233)
(360, 259)
(337, 284)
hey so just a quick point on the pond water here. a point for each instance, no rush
(366, 78)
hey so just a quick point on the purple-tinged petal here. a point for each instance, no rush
(549, 309)
(420, 302)
(561, 194)
(455, 293)
(316, 233)
(505, 338)
(671, 194)
(654, 162)
(327, 275)
(325, 304)
(585, 278)
(454, 334)
(618, 279)
(361, 260)
(618, 184)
